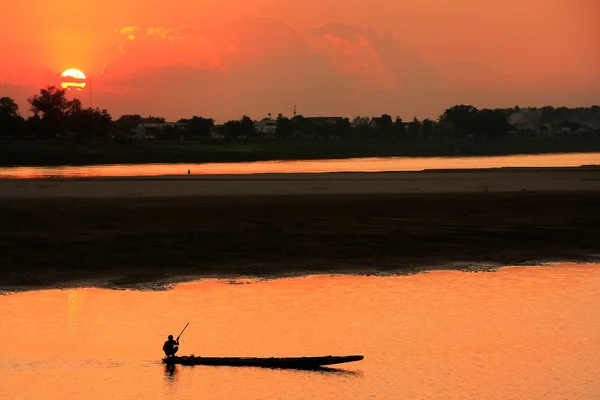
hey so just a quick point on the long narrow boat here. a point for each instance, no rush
(272, 362)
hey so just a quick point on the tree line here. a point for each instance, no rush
(55, 115)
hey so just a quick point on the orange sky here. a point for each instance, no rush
(224, 58)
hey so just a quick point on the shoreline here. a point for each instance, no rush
(473, 181)
(167, 283)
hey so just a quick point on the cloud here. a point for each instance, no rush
(259, 65)
(251, 66)
(377, 56)
(181, 33)
(128, 32)
(216, 47)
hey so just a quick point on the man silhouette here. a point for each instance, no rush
(170, 347)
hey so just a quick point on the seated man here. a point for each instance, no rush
(171, 346)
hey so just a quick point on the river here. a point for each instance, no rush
(519, 333)
(310, 166)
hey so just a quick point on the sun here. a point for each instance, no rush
(73, 79)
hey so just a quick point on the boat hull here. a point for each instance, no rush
(272, 362)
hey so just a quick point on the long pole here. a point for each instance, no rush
(186, 325)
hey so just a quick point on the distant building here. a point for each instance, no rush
(148, 130)
(266, 126)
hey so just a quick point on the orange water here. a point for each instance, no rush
(314, 166)
(520, 333)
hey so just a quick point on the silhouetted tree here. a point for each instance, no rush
(399, 130)
(11, 122)
(170, 132)
(385, 126)
(414, 128)
(154, 120)
(427, 128)
(463, 117)
(247, 126)
(362, 127)
(285, 127)
(342, 128)
(51, 102)
(492, 123)
(244, 127)
(127, 122)
(302, 125)
(198, 127)
(53, 109)
(90, 123)
(8, 108)
(358, 121)
(125, 125)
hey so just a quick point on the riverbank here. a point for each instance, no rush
(478, 181)
(89, 232)
(57, 153)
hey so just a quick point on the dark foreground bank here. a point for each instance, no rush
(124, 242)
(57, 153)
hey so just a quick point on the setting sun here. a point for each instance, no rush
(73, 79)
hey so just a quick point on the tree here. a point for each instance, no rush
(154, 120)
(359, 121)
(53, 108)
(303, 125)
(285, 127)
(52, 102)
(11, 122)
(244, 127)
(399, 129)
(427, 128)
(90, 122)
(362, 126)
(342, 128)
(414, 128)
(492, 122)
(198, 127)
(8, 108)
(247, 126)
(385, 125)
(463, 117)
(126, 122)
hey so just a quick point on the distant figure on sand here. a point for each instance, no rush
(189, 172)
(171, 346)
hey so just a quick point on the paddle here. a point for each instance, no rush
(186, 325)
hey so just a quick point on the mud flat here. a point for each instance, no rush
(144, 232)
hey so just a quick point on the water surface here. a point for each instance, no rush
(520, 333)
(310, 166)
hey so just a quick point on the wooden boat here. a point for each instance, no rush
(272, 362)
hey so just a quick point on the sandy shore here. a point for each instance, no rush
(456, 181)
(131, 232)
